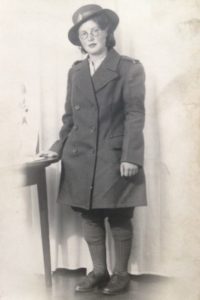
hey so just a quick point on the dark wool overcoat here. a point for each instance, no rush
(102, 127)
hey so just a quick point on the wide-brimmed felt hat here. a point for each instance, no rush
(86, 12)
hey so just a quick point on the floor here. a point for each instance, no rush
(136, 290)
(143, 287)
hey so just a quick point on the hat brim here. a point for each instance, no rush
(73, 32)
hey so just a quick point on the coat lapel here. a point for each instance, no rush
(83, 80)
(107, 71)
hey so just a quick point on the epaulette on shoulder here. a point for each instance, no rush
(76, 63)
(133, 60)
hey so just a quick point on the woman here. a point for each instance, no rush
(101, 144)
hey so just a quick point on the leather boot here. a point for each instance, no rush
(117, 284)
(92, 281)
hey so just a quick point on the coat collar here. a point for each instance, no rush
(106, 72)
(111, 61)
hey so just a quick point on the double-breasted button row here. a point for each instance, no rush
(75, 151)
(92, 129)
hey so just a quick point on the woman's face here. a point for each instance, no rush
(92, 38)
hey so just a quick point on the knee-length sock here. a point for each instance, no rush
(94, 233)
(122, 232)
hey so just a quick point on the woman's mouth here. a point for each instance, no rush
(92, 45)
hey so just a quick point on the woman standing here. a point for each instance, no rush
(101, 144)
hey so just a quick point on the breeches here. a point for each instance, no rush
(119, 220)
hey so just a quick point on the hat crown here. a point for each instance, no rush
(85, 11)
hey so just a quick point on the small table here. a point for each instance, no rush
(34, 173)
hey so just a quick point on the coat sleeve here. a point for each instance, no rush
(133, 96)
(67, 120)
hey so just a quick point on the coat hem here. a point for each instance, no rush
(102, 207)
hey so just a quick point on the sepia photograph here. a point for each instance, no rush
(100, 149)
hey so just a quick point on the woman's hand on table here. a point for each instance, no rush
(48, 154)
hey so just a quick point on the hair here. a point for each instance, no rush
(103, 22)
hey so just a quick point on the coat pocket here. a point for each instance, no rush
(116, 142)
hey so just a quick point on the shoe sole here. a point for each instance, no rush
(115, 293)
(124, 290)
(97, 287)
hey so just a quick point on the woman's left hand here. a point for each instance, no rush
(128, 169)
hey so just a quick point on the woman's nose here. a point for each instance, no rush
(90, 36)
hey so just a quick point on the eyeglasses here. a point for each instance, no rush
(94, 32)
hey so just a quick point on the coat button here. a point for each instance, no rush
(77, 107)
(93, 151)
(75, 151)
(92, 129)
(75, 127)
